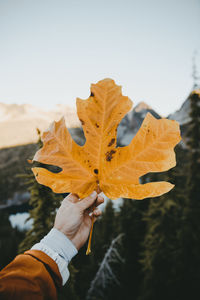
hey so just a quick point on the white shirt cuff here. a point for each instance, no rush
(56, 245)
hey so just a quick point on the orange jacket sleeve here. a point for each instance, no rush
(32, 275)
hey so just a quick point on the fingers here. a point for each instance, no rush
(99, 201)
(96, 213)
(88, 201)
(72, 198)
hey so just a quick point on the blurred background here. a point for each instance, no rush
(50, 53)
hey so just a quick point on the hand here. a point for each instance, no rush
(73, 217)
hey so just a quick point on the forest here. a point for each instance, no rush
(144, 250)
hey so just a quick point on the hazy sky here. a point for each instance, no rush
(51, 50)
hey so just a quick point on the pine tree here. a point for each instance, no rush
(133, 227)
(129, 222)
(106, 277)
(191, 233)
(105, 230)
(108, 224)
(171, 257)
(9, 239)
(193, 142)
(162, 243)
(44, 204)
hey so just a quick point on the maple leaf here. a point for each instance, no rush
(99, 164)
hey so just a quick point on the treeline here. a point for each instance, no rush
(145, 250)
(13, 161)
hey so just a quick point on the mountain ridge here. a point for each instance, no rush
(18, 122)
(13, 159)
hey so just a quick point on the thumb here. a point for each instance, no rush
(88, 201)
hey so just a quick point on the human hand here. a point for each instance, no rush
(73, 217)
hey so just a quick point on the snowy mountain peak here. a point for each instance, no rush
(132, 122)
(12, 112)
(183, 114)
(21, 112)
(141, 106)
(18, 122)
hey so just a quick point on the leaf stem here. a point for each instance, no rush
(91, 230)
(90, 238)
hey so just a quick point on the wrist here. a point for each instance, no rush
(70, 237)
(76, 243)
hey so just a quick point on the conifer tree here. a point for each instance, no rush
(191, 234)
(105, 230)
(129, 222)
(109, 226)
(133, 227)
(193, 142)
(9, 239)
(171, 257)
(162, 243)
(44, 204)
(106, 278)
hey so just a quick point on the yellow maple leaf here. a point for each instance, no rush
(99, 164)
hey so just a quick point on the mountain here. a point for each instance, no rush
(182, 115)
(132, 122)
(18, 123)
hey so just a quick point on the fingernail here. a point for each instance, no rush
(93, 194)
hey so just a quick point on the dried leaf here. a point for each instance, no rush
(99, 163)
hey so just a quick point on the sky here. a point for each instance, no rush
(52, 50)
